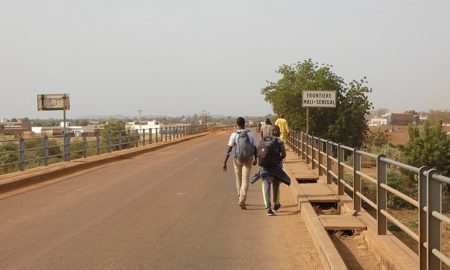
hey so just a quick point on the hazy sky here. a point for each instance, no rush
(180, 57)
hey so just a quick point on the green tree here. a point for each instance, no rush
(119, 135)
(345, 124)
(431, 148)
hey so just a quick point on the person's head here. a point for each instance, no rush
(268, 122)
(240, 122)
(276, 131)
(281, 115)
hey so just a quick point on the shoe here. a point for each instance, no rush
(242, 205)
(270, 212)
(276, 206)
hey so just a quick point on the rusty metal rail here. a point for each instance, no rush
(24, 153)
(429, 204)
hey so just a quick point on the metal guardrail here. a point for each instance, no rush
(325, 155)
(21, 154)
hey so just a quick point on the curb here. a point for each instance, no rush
(16, 180)
(330, 257)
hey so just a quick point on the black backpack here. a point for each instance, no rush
(268, 153)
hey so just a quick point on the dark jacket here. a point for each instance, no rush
(276, 173)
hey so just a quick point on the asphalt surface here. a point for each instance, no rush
(169, 209)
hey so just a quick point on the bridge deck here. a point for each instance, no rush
(169, 209)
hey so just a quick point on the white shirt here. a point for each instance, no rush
(233, 138)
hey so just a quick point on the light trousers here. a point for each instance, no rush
(242, 171)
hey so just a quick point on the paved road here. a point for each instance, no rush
(169, 209)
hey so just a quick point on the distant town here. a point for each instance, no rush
(28, 128)
(379, 120)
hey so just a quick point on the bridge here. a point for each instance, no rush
(159, 200)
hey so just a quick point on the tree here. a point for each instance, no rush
(345, 124)
(436, 116)
(117, 130)
(412, 112)
(379, 112)
(431, 148)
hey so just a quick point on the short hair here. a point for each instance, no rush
(268, 122)
(276, 128)
(240, 121)
(282, 115)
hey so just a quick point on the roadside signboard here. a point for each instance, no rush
(53, 102)
(319, 99)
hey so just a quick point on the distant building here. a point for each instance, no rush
(376, 122)
(140, 126)
(403, 119)
(48, 131)
(15, 128)
(76, 131)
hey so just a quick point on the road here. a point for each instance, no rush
(169, 209)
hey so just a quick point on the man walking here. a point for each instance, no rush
(267, 129)
(284, 128)
(271, 152)
(243, 145)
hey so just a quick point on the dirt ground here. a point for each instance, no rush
(354, 251)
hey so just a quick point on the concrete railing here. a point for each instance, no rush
(329, 158)
(24, 153)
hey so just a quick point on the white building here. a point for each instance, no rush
(375, 122)
(143, 126)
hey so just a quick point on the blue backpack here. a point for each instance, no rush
(244, 149)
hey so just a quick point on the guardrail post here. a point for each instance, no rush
(340, 158)
(128, 138)
(143, 137)
(381, 195)
(294, 141)
(302, 135)
(109, 142)
(307, 149)
(156, 135)
(319, 156)
(422, 196)
(45, 150)
(66, 147)
(434, 204)
(356, 179)
(21, 154)
(120, 140)
(165, 134)
(85, 145)
(170, 133)
(150, 136)
(313, 153)
(329, 165)
(97, 143)
(138, 137)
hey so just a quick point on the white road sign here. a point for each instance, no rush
(321, 99)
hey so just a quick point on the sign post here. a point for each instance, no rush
(317, 99)
(54, 102)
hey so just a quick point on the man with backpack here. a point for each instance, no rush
(271, 152)
(243, 145)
